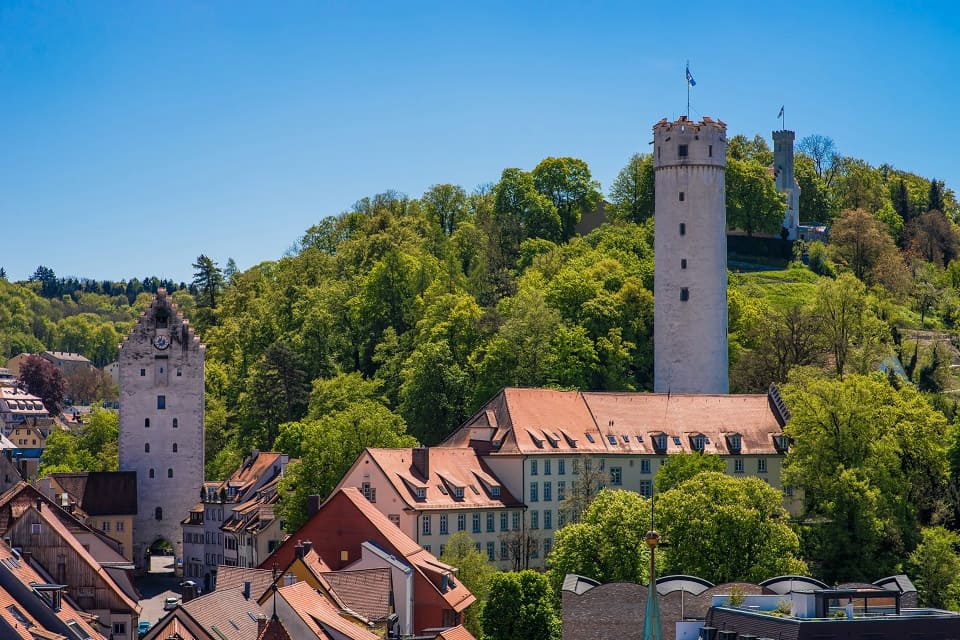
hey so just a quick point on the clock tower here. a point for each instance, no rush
(161, 423)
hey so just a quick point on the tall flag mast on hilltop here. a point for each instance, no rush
(690, 83)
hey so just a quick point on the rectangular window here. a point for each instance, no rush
(443, 527)
(105, 526)
(161, 402)
(534, 519)
(710, 150)
(443, 548)
(548, 519)
(143, 373)
(761, 465)
(119, 628)
(547, 491)
(616, 476)
(547, 546)
(504, 550)
(490, 528)
(682, 150)
(561, 467)
(561, 490)
(394, 518)
(533, 467)
(490, 551)
(461, 521)
(476, 523)
(561, 518)
(515, 521)
(683, 228)
(426, 548)
(576, 466)
(684, 294)
(681, 196)
(644, 466)
(504, 521)
(683, 263)
(119, 526)
(426, 525)
(546, 467)
(738, 465)
(533, 492)
(646, 488)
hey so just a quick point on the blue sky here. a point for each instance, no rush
(135, 136)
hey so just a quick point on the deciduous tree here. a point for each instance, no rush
(753, 202)
(567, 183)
(474, 571)
(681, 467)
(44, 380)
(632, 191)
(520, 606)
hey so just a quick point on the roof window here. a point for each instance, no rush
(590, 437)
(676, 440)
(612, 439)
(639, 438)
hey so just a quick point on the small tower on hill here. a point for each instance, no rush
(690, 246)
(785, 180)
(161, 423)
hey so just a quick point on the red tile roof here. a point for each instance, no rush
(458, 632)
(452, 472)
(319, 615)
(234, 578)
(363, 591)
(544, 421)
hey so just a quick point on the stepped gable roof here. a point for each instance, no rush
(26, 576)
(233, 578)
(458, 479)
(546, 421)
(458, 632)
(225, 614)
(362, 591)
(101, 493)
(320, 616)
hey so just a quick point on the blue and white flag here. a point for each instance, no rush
(690, 81)
(780, 115)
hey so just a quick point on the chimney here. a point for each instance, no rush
(189, 591)
(246, 590)
(421, 462)
(307, 545)
(27, 557)
(298, 549)
(313, 504)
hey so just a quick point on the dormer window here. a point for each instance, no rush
(698, 442)
(734, 441)
(421, 493)
(781, 442)
(458, 492)
(660, 442)
(495, 492)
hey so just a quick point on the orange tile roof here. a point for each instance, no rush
(544, 421)
(452, 471)
(458, 597)
(319, 615)
(363, 591)
(225, 614)
(458, 632)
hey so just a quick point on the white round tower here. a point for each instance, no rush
(690, 245)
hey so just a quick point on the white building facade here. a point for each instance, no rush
(690, 248)
(161, 423)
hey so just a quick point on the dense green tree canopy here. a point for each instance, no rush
(520, 606)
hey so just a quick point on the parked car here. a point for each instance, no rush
(169, 604)
(143, 628)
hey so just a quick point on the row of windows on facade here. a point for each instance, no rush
(532, 544)
(511, 518)
(146, 422)
(698, 442)
(143, 372)
(616, 473)
(153, 474)
(117, 526)
(146, 447)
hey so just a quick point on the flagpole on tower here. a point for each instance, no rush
(783, 125)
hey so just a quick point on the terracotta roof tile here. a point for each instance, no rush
(458, 632)
(544, 421)
(363, 591)
(234, 577)
(226, 614)
(317, 612)
(458, 479)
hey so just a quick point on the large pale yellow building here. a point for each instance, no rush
(504, 474)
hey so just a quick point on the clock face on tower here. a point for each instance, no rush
(161, 342)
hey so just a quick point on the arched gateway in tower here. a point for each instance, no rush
(161, 423)
(690, 247)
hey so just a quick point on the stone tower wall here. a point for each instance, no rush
(166, 387)
(785, 180)
(690, 273)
